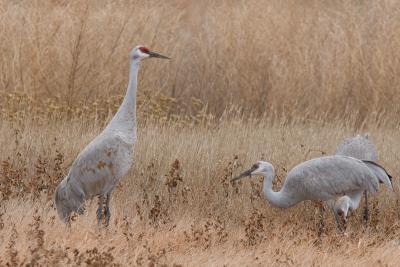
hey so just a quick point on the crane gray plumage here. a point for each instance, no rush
(107, 158)
(360, 147)
(319, 179)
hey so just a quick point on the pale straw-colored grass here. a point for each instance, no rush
(202, 218)
(283, 81)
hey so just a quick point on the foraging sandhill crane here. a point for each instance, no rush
(359, 147)
(108, 157)
(320, 179)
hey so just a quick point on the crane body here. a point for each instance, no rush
(320, 179)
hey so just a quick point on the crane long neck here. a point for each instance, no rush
(355, 199)
(279, 199)
(124, 120)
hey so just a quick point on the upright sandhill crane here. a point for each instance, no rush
(320, 179)
(108, 157)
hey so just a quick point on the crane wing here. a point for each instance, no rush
(359, 147)
(325, 178)
(100, 164)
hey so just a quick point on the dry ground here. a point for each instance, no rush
(177, 205)
(283, 81)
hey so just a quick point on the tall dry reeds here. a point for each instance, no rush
(313, 59)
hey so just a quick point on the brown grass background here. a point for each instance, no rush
(282, 81)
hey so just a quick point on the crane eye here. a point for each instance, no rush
(144, 50)
(255, 166)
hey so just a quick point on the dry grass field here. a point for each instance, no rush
(282, 81)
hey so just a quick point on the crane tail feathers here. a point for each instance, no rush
(380, 172)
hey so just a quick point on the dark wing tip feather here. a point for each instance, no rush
(390, 178)
(376, 164)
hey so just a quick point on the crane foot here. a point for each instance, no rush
(366, 214)
(99, 213)
(108, 215)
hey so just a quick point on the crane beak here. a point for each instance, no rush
(157, 55)
(244, 174)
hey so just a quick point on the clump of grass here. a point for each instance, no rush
(37, 249)
(211, 233)
(11, 250)
(94, 257)
(254, 229)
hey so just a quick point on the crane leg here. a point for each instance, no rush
(339, 226)
(366, 208)
(81, 209)
(67, 221)
(321, 221)
(108, 213)
(100, 209)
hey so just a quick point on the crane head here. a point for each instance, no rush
(260, 167)
(60, 198)
(342, 206)
(141, 52)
